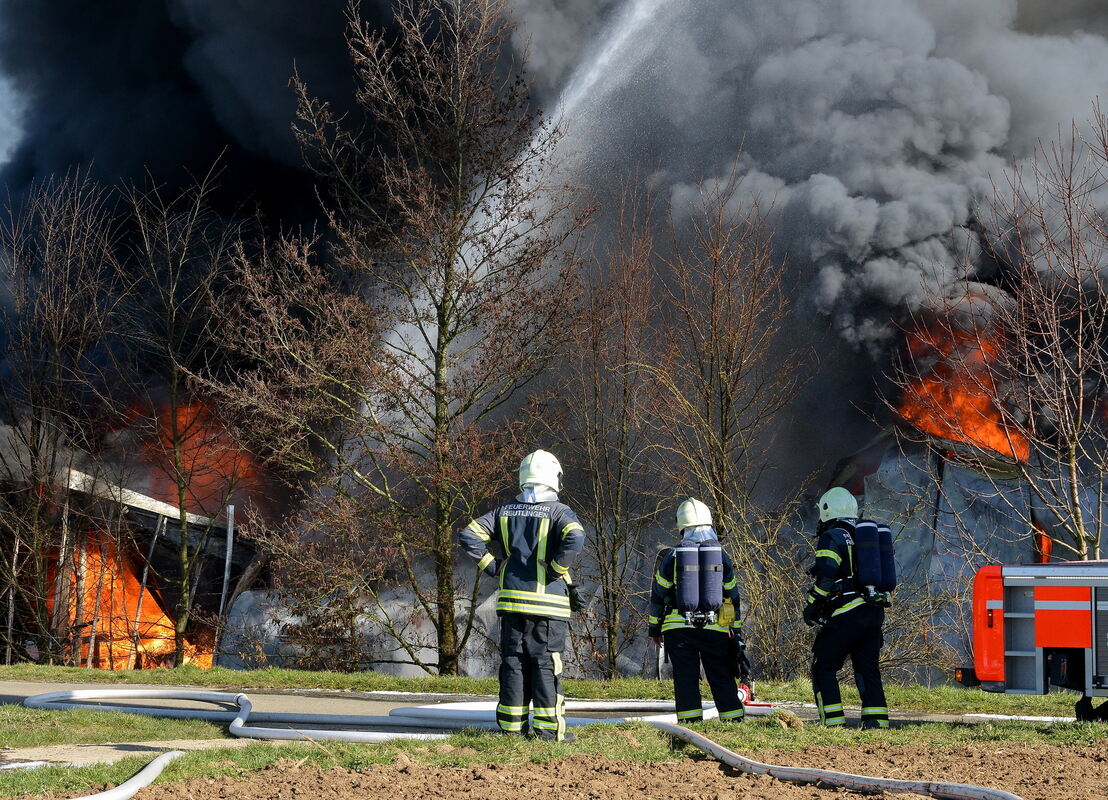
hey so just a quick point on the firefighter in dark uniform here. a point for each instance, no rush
(529, 545)
(714, 645)
(851, 617)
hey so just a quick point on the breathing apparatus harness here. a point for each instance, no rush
(870, 565)
(699, 580)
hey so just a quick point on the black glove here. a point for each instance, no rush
(742, 665)
(812, 613)
(575, 601)
(654, 631)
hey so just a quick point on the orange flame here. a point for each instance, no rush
(954, 400)
(192, 443)
(118, 618)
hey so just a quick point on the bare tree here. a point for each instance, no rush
(178, 254)
(726, 372)
(1015, 374)
(608, 400)
(56, 313)
(447, 221)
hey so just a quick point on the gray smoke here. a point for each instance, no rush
(1062, 17)
(875, 128)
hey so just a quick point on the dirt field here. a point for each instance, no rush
(1032, 772)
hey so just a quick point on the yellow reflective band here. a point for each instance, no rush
(662, 581)
(509, 726)
(557, 600)
(558, 568)
(820, 592)
(545, 711)
(515, 711)
(675, 621)
(829, 554)
(545, 725)
(573, 526)
(731, 584)
(875, 710)
(540, 555)
(535, 611)
(507, 552)
(690, 714)
(857, 601)
(486, 559)
(557, 659)
(833, 707)
(836, 721)
(478, 531)
(738, 712)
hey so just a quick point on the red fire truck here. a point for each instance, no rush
(1042, 625)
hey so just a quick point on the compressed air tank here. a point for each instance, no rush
(867, 553)
(711, 575)
(888, 559)
(688, 576)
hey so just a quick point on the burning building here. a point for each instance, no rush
(97, 581)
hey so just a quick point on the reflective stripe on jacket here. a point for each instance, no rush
(536, 544)
(835, 569)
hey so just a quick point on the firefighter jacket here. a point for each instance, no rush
(836, 591)
(529, 547)
(665, 617)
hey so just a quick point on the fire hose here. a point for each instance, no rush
(448, 716)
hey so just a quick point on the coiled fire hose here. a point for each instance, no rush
(447, 716)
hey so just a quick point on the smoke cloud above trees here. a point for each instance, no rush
(874, 127)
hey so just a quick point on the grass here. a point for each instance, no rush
(938, 700)
(627, 742)
(32, 727)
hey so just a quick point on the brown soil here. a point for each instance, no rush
(1032, 772)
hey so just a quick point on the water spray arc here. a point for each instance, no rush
(611, 55)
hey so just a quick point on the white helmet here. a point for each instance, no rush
(837, 503)
(541, 467)
(692, 512)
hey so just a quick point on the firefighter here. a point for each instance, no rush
(851, 615)
(704, 637)
(529, 545)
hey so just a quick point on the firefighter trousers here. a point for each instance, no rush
(857, 634)
(688, 648)
(531, 672)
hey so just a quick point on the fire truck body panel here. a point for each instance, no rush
(1040, 625)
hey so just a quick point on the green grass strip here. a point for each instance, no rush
(32, 727)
